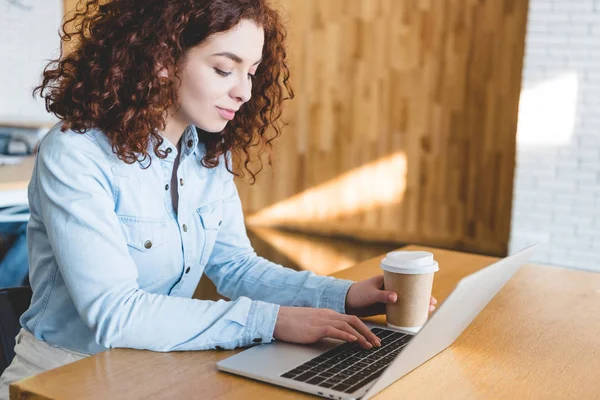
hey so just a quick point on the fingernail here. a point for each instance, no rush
(353, 338)
(393, 298)
(369, 345)
(431, 308)
(378, 343)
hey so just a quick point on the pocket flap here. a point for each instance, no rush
(210, 215)
(143, 233)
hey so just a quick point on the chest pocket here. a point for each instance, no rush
(211, 217)
(145, 241)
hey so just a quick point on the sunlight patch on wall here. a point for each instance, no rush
(547, 112)
(380, 183)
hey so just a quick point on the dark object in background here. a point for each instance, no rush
(13, 303)
(15, 141)
(14, 263)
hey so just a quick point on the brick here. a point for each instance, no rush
(590, 165)
(587, 140)
(540, 6)
(548, 16)
(573, 7)
(546, 40)
(580, 18)
(579, 220)
(592, 232)
(585, 200)
(559, 186)
(589, 190)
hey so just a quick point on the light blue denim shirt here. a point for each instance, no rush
(112, 264)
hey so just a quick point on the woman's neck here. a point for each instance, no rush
(174, 128)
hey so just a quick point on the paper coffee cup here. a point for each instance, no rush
(410, 275)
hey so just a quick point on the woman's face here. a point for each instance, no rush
(216, 78)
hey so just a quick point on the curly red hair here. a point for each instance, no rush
(109, 80)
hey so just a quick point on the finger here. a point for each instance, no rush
(357, 324)
(386, 296)
(431, 308)
(378, 280)
(344, 326)
(433, 300)
(332, 332)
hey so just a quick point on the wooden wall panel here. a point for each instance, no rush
(403, 127)
(434, 82)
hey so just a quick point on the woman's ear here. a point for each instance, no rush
(163, 73)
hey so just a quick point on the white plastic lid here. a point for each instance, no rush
(409, 262)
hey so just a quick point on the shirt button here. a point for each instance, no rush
(187, 271)
(167, 186)
(190, 143)
(181, 181)
(147, 244)
(184, 227)
(257, 340)
(169, 150)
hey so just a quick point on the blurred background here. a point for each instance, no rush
(461, 124)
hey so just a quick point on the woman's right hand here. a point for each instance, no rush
(309, 325)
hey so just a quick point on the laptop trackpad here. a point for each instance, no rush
(273, 359)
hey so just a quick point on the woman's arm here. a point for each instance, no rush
(77, 200)
(237, 271)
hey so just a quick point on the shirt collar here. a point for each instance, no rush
(189, 140)
(189, 143)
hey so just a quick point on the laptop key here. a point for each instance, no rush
(288, 375)
(304, 377)
(335, 379)
(326, 384)
(357, 386)
(342, 387)
(299, 370)
(316, 380)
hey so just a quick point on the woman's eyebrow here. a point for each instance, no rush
(234, 57)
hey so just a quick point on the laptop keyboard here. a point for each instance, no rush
(348, 367)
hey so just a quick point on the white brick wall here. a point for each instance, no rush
(557, 180)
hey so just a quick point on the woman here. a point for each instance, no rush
(132, 197)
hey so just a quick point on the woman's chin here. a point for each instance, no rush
(215, 127)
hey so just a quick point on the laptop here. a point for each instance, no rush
(342, 370)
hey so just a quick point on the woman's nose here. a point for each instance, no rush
(242, 91)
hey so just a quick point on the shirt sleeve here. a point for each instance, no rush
(237, 271)
(77, 198)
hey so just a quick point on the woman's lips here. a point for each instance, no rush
(226, 113)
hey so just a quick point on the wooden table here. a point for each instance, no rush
(537, 339)
(13, 182)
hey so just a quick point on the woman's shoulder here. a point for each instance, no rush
(59, 142)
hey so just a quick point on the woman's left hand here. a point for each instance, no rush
(366, 298)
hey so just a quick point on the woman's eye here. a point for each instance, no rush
(221, 72)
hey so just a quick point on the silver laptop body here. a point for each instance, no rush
(268, 362)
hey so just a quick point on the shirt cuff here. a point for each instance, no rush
(260, 323)
(334, 296)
